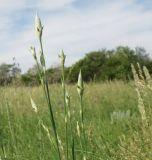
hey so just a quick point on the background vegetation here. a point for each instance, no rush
(96, 66)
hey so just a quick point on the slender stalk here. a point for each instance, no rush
(82, 127)
(70, 126)
(80, 89)
(73, 149)
(40, 140)
(47, 95)
(43, 78)
(71, 133)
(65, 107)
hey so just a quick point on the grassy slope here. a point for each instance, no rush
(20, 133)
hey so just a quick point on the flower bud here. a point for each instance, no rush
(32, 49)
(33, 105)
(78, 129)
(42, 60)
(38, 27)
(80, 87)
(146, 73)
(66, 119)
(67, 99)
(62, 58)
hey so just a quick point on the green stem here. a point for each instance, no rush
(65, 112)
(47, 94)
(40, 140)
(84, 148)
(71, 132)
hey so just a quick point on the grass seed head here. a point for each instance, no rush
(140, 72)
(42, 59)
(62, 57)
(34, 105)
(38, 27)
(67, 99)
(32, 49)
(80, 86)
(141, 107)
(146, 73)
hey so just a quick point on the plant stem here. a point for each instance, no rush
(47, 95)
(84, 148)
(65, 112)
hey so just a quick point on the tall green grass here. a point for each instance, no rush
(106, 121)
(105, 140)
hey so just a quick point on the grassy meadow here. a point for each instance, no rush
(106, 121)
(112, 123)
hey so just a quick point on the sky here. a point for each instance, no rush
(76, 26)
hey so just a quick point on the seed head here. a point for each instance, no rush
(66, 119)
(32, 49)
(78, 129)
(38, 27)
(140, 72)
(62, 57)
(42, 59)
(80, 87)
(146, 72)
(67, 99)
(33, 105)
(84, 157)
(69, 114)
(141, 106)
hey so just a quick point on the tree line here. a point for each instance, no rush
(96, 66)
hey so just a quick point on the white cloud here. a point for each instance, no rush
(52, 4)
(78, 31)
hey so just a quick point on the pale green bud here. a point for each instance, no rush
(42, 60)
(62, 57)
(69, 114)
(78, 129)
(38, 27)
(33, 105)
(67, 99)
(80, 87)
(66, 119)
(80, 111)
(32, 49)
(84, 157)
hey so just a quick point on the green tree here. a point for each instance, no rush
(110, 64)
(5, 73)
